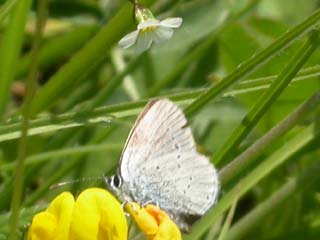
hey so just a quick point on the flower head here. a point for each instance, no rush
(153, 222)
(149, 30)
(95, 214)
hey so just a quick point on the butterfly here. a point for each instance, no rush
(160, 165)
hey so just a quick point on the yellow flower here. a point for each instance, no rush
(95, 215)
(153, 222)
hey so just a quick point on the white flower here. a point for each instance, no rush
(151, 30)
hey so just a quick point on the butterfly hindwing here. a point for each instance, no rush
(160, 164)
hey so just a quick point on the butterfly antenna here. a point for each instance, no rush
(87, 179)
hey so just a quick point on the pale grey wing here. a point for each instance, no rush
(191, 178)
(186, 187)
(154, 134)
(160, 163)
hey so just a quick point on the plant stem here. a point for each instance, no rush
(5, 9)
(71, 119)
(226, 226)
(269, 97)
(266, 167)
(249, 155)
(113, 83)
(11, 45)
(85, 59)
(22, 147)
(197, 52)
(58, 154)
(255, 62)
(254, 217)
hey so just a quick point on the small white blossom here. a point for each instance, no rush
(150, 30)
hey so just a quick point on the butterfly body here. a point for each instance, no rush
(160, 165)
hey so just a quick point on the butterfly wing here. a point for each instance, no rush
(160, 164)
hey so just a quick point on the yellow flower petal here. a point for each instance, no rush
(167, 230)
(55, 221)
(62, 208)
(146, 222)
(42, 227)
(97, 215)
(153, 222)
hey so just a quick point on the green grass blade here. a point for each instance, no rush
(72, 151)
(56, 49)
(10, 49)
(67, 167)
(308, 72)
(226, 226)
(199, 51)
(255, 62)
(5, 9)
(41, 125)
(113, 84)
(249, 155)
(269, 97)
(18, 179)
(270, 205)
(25, 217)
(83, 61)
(266, 167)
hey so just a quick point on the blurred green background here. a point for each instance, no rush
(228, 55)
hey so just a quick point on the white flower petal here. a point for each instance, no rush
(129, 39)
(171, 22)
(149, 23)
(162, 34)
(144, 42)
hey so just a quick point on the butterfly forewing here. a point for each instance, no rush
(160, 164)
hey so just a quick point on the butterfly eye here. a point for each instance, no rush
(116, 181)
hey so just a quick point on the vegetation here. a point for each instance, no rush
(246, 73)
